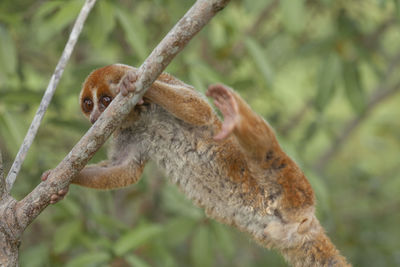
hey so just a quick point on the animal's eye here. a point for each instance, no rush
(105, 100)
(87, 105)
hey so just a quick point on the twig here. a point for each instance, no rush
(193, 21)
(264, 15)
(48, 95)
(373, 38)
(380, 95)
(287, 128)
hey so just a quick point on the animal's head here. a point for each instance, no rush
(100, 88)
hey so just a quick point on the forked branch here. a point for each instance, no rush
(16, 216)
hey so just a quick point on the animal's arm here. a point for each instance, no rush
(175, 96)
(107, 176)
(181, 100)
(102, 176)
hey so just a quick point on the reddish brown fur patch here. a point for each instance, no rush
(297, 190)
(230, 155)
(101, 79)
(260, 144)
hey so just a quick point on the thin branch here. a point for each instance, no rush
(264, 15)
(48, 95)
(380, 95)
(193, 21)
(295, 120)
(369, 41)
(373, 38)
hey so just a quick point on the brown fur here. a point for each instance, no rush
(243, 178)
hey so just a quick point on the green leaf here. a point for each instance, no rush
(354, 89)
(70, 208)
(102, 24)
(135, 37)
(163, 255)
(327, 77)
(217, 34)
(95, 242)
(177, 230)
(35, 256)
(197, 81)
(321, 191)
(89, 259)
(21, 97)
(208, 73)
(311, 130)
(64, 236)
(46, 9)
(6, 134)
(15, 125)
(109, 223)
(201, 248)
(135, 261)
(224, 239)
(57, 22)
(397, 5)
(8, 54)
(136, 237)
(174, 201)
(260, 60)
(293, 13)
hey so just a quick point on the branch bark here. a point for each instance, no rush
(9, 243)
(16, 216)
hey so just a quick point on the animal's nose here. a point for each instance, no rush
(94, 116)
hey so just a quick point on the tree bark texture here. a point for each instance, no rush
(15, 216)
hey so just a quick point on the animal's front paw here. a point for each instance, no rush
(226, 102)
(127, 84)
(57, 196)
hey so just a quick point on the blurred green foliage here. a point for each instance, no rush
(324, 73)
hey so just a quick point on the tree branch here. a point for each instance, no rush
(193, 21)
(48, 95)
(295, 120)
(380, 95)
(264, 15)
(16, 216)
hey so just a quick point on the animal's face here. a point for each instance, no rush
(99, 90)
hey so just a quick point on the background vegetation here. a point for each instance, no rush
(325, 74)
